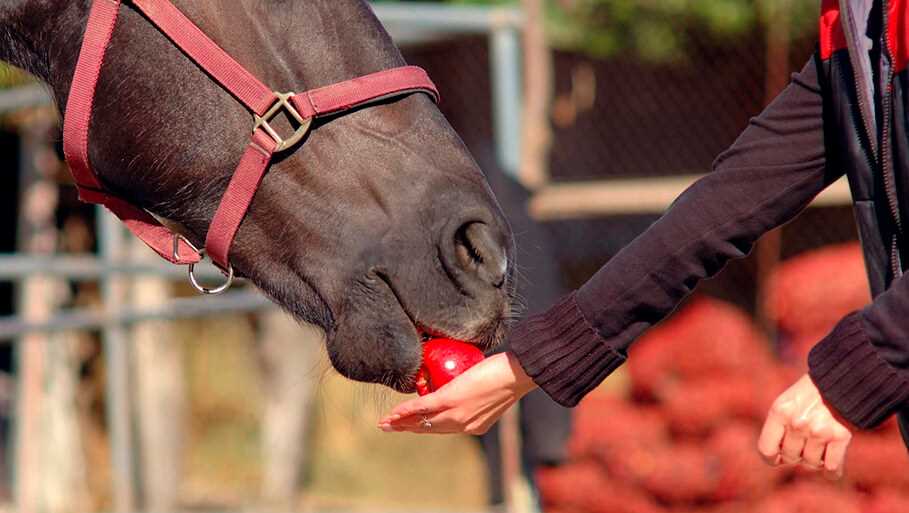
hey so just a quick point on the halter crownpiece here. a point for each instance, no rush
(265, 142)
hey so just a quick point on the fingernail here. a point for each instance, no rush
(386, 428)
(394, 417)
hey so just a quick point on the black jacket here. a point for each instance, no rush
(863, 52)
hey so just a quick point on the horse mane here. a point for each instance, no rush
(15, 51)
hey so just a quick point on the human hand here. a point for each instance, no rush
(471, 403)
(801, 430)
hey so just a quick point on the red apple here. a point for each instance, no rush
(443, 360)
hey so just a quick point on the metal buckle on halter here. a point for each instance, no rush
(192, 269)
(283, 103)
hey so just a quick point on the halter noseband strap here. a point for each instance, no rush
(262, 101)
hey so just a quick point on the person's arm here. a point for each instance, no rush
(774, 169)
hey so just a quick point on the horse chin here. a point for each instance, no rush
(377, 339)
(373, 339)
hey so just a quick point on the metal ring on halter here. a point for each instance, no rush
(207, 291)
(192, 270)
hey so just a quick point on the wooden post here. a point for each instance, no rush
(51, 469)
(290, 357)
(161, 394)
(539, 87)
(64, 474)
(512, 480)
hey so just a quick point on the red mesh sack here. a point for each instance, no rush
(743, 474)
(683, 473)
(584, 488)
(887, 501)
(604, 424)
(727, 507)
(694, 408)
(564, 486)
(809, 497)
(813, 291)
(700, 405)
(706, 337)
(878, 460)
(617, 497)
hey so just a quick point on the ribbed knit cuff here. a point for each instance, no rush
(853, 378)
(563, 353)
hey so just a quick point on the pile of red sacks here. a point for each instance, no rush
(810, 293)
(685, 440)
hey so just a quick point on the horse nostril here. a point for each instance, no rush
(479, 252)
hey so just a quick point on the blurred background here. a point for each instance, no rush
(120, 390)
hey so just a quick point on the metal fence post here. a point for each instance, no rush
(507, 91)
(116, 351)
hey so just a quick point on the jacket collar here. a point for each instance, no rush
(854, 16)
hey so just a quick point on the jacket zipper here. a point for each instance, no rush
(884, 156)
(873, 159)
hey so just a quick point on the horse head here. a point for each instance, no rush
(380, 228)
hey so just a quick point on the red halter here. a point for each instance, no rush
(262, 101)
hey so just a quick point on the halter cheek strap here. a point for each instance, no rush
(246, 88)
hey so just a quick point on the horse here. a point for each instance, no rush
(379, 228)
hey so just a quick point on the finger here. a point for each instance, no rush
(420, 406)
(793, 445)
(815, 445)
(410, 423)
(813, 454)
(413, 424)
(441, 424)
(835, 457)
(771, 439)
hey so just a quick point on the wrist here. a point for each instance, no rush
(522, 384)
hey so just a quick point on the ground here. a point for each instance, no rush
(352, 465)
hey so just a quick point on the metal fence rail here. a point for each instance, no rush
(89, 268)
(176, 309)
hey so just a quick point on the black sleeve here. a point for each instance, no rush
(772, 172)
(862, 366)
